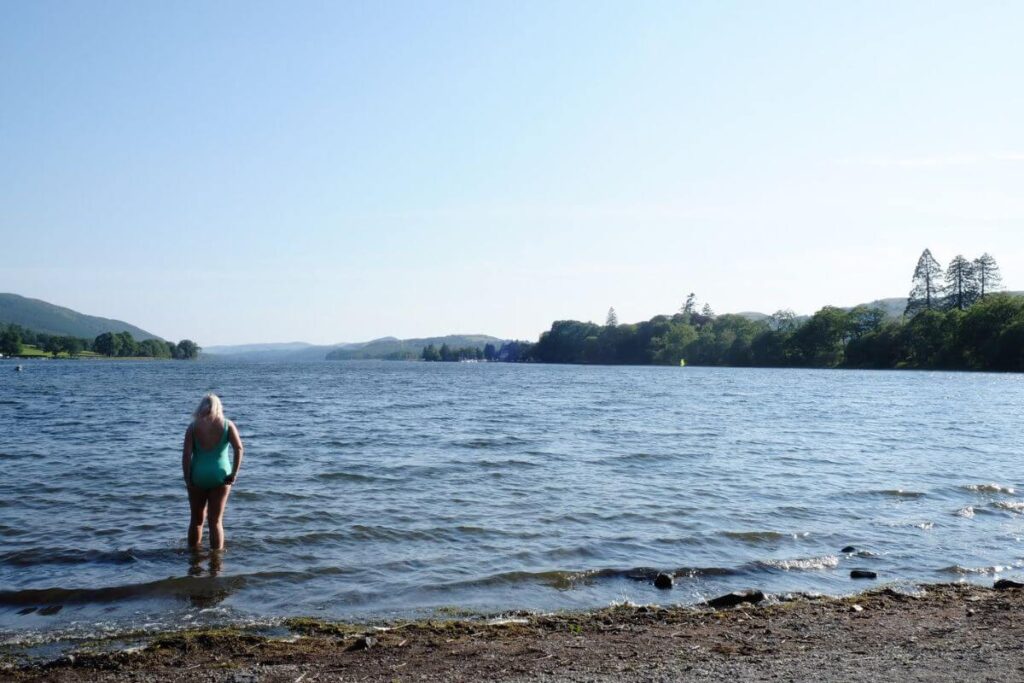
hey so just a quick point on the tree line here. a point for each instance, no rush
(955, 319)
(14, 339)
(447, 354)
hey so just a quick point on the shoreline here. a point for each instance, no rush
(946, 632)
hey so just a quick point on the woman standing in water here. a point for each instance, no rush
(209, 474)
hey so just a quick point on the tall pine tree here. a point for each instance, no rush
(961, 284)
(927, 291)
(613, 319)
(690, 307)
(986, 274)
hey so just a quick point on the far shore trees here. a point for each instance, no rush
(961, 331)
(10, 342)
(186, 350)
(123, 345)
(448, 354)
(14, 339)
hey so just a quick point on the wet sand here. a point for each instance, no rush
(950, 632)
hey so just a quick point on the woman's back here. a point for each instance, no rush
(210, 434)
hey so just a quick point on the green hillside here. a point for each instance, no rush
(390, 348)
(41, 316)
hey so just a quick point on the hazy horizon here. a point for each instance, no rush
(257, 173)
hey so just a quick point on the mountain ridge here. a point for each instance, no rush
(42, 316)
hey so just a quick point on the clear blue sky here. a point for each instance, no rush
(246, 171)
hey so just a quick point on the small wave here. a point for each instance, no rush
(967, 512)
(755, 536)
(899, 493)
(488, 442)
(990, 488)
(1012, 506)
(175, 587)
(569, 579)
(561, 580)
(504, 464)
(486, 532)
(641, 457)
(31, 557)
(912, 524)
(364, 532)
(346, 476)
(14, 456)
(802, 564)
(183, 587)
(306, 539)
(762, 537)
(960, 570)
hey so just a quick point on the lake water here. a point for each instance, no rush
(378, 490)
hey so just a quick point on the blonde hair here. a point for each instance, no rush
(210, 407)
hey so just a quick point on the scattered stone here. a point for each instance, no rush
(863, 574)
(244, 677)
(363, 643)
(970, 612)
(663, 581)
(1007, 584)
(736, 598)
(856, 608)
(848, 549)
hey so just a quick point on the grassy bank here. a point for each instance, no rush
(945, 633)
(31, 352)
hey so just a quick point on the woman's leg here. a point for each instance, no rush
(197, 505)
(218, 498)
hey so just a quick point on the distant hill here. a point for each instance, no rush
(893, 306)
(41, 316)
(385, 348)
(289, 351)
(391, 348)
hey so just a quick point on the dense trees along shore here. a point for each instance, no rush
(953, 321)
(16, 340)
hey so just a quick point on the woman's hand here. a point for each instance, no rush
(229, 480)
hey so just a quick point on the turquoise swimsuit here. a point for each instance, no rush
(209, 468)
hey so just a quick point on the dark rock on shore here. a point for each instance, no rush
(663, 580)
(736, 598)
(863, 574)
(848, 549)
(363, 643)
(1007, 584)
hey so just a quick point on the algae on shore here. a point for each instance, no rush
(949, 632)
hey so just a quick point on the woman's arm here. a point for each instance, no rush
(186, 456)
(238, 448)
